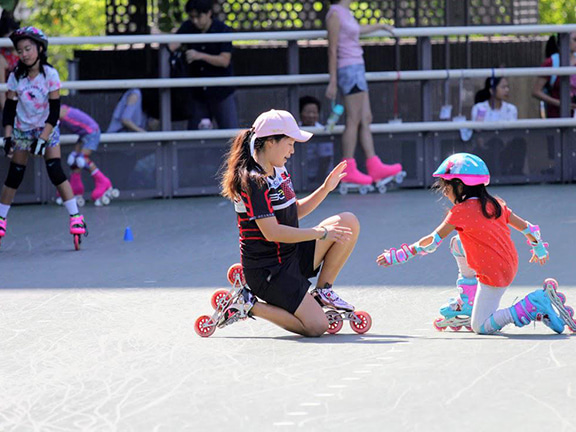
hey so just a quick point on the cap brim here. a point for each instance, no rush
(300, 135)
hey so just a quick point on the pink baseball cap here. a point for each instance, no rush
(279, 122)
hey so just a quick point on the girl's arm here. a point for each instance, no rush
(308, 204)
(374, 27)
(425, 245)
(532, 233)
(538, 92)
(3, 68)
(49, 127)
(333, 27)
(274, 232)
(8, 128)
(221, 60)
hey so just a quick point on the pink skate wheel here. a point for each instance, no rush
(220, 299)
(335, 327)
(436, 326)
(77, 241)
(236, 269)
(570, 311)
(456, 328)
(204, 326)
(365, 325)
(561, 296)
(469, 328)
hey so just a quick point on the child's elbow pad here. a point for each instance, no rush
(436, 240)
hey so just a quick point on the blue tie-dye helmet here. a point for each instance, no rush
(469, 168)
(29, 32)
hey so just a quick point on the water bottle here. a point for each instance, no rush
(337, 111)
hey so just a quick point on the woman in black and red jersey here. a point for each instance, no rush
(278, 257)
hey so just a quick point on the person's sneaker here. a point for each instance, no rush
(239, 309)
(327, 297)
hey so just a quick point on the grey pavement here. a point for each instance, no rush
(103, 339)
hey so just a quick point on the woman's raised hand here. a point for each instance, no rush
(335, 176)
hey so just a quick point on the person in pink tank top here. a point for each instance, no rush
(347, 73)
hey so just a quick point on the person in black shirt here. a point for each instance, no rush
(208, 60)
(278, 257)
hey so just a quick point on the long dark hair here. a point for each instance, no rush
(463, 192)
(21, 70)
(485, 94)
(239, 164)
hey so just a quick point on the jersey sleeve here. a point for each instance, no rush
(12, 83)
(53, 80)
(257, 202)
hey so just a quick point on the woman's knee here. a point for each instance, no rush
(350, 220)
(316, 329)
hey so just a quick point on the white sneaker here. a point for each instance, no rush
(327, 297)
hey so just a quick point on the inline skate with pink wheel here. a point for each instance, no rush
(456, 314)
(383, 174)
(229, 306)
(103, 191)
(2, 228)
(78, 228)
(337, 311)
(558, 300)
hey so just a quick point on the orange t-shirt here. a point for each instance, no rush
(487, 242)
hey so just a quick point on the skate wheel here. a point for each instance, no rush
(562, 297)
(80, 201)
(335, 321)
(77, 241)
(220, 299)
(400, 177)
(343, 189)
(105, 200)
(570, 311)
(59, 201)
(365, 325)
(204, 326)
(382, 189)
(363, 190)
(115, 193)
(436, 326)
(552, 283)
(469, 328)
(236, 269)
(456, 328)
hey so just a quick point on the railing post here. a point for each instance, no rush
(425, 63)
(293, 69)
(564, 46)
(73, 74)
(165, 101)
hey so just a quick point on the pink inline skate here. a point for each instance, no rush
(78, 228)
(355, 180)
(77, 189)
(2, 228)
(383, 174)
(103, 191)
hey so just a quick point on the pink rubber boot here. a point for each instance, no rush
(355, 176)
(101, 186)
(378, 170)
(77, 224)
(76, 183)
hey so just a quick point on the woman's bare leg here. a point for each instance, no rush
(366, 138)
(353, 105)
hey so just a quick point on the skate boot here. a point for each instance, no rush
(78, 228)
(238, 309)
(384, 174)
(103, 190)
(326, 297)
(355, 180)
(458, 311)
(2, 228)
(537, 306)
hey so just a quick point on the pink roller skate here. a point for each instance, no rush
(103, 191)
(2, 228)
(77, 189)
(355, 180)
(78, 228)
(384, 174)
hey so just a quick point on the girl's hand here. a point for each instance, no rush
(335, 176)
(540, 261)
(337, 233)
(384, 259)
(331, 91)
(390, 29)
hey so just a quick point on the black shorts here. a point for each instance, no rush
(286, 284)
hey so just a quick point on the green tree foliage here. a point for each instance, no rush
(557, 11)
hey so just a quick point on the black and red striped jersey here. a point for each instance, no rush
(274, 199)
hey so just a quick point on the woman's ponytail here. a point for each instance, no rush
(237, 167)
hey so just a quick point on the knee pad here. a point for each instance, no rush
(456, 247)
(15, 175)
(54, 168)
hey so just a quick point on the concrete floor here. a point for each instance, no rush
(103, 339)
